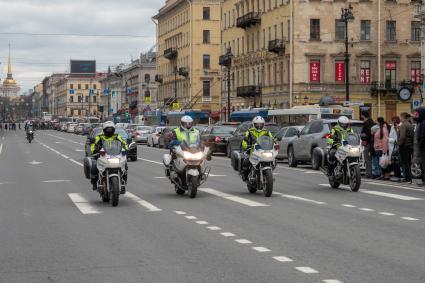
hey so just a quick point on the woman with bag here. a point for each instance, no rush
(394, 150)
(380, 145)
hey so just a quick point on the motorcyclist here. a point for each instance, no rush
(338, 133)
(108, 134)
(250, 139)
(29, 127)
(180, 133)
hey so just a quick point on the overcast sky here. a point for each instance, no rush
(34, 57)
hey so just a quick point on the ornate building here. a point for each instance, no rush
(9, 87)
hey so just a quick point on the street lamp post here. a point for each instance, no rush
(346, 16)
(226, 61)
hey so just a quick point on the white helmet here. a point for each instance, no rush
(343, 122)
(108, 128)
(186, 122)
(259, 123)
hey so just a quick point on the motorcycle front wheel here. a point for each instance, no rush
(115, 190)
(252, 189)
(333, 182)
(268, 183)
(178, 190)
(355, 178)
(193, 182)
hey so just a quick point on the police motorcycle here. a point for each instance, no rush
(188, 170)
(30, 135)
(111, 166)
(262, 163)
(346, 164)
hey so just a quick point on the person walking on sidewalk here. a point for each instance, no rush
(380, 144)
(367, 142)
(394, 152)
(405, 142)
(420, 137)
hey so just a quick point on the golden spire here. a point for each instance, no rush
(9, 81)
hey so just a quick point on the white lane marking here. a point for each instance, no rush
(341, 187)
(214, 228)
(76, 162)
(160, 177)
(83, 204)
(68, 140)
(145, 204)
(212, 175)
(299, 198)
(35, 162)
(230, 197)
(389, 195)
(409, 218)
(261, 249)
(190, 217)
(58, 142)
(387, 213)
(56, 181)
(64, 156)
(312, 172)
(79, 150)
(282, 258)
(151, 161)
(243, 241)
(332, 281)
(1, 148)
(306, 269)
(395, 186)
(179, 212)
(366, 209)
(348, 205)
(227, 234)
(201, 222)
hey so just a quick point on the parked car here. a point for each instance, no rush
(79, 128)
(86, 129)
(141, 133)
(130, 128)
(132, 147)
(235, 142)
(153, 137)
(314, 134)
(201, 128)
(165, 137)
(283, 137)
(216, 137)
(71, 127)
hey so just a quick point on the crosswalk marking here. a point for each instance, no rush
(230, 197)
(282, 259)
(149, 206)
(261, 249)
(306, 269)
(83, 204)
(243, 241)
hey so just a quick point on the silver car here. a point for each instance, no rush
(283, 137)
(141, 133)
(153, 137)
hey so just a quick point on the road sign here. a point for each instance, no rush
(176, 105)
(353, 103)
(416, 103)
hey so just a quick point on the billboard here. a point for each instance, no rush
(83, 67)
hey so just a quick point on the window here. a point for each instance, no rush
(79, 86)
(365, 71)
(415, 71)
(94, 98)
(316, 127)
(416, 31)
(206, 13)
(87, 86)
(80, 99)
(291, 132)
(206, 61)
(71, 99)
(206, 36)
(71, 86)
(391, 30)
(87, 99)
(247, 43)
(390, 74)
(339, 30)
(365, 30)
(315, 71)
(94, 86)
(206, 88)
(258, 40)
(314, 29)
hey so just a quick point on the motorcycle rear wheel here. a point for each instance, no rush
(355, 179)
(268, 183)
(193, 186)
(251, 189)
(115, 190)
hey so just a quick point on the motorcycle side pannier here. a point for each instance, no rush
(236, 161)
(87, 166)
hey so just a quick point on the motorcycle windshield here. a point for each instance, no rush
(265, 143)
(112, 147)
(191, 141)
(352, 139)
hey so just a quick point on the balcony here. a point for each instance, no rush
(249, 19)
(277, 46)
(170, 53)
(183, 72)
(159, 79)
(419, 11)
(386, 87)
(225, 61)
(248, 91)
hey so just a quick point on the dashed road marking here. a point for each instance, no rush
(190, 217)
(179, 212)
(76, 162)
(149, 206)
(57, 181)
(83, 204)
(348, 205)
(409, 218)
(299, 198)
(1, 148)
(261, 249)
(282, 259)
(243, 241)
(389, 195)
(214, 228)
(201, 222)
(306, 269)
(227, 234)
(366, 209)
(233, 198)
(332, 281)
(387, 213)
(151, 161)
(395, 186)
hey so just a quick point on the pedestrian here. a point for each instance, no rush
(380, 145)
(405, 142)
(393, 148)
(367, 141)
(420, 136)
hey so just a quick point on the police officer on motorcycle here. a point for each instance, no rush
(186, 127)
(337, 135)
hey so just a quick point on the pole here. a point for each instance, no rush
(175, 82)
(379, 57)
(347, 64)
(228, 94)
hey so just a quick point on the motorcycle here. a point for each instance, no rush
(111, 164)
(30, 136)
(347, 163)
(187, 170)
(262, 164)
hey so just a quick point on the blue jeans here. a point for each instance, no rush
(376, 168)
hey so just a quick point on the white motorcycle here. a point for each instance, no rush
(347, 163)
(112, 167)
(262, 164)
(187, 170)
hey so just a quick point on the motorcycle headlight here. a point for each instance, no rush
(355, 150)
(267, 154)
(192, 156)
(30, 132)
(114, 160)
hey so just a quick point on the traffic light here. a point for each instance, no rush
(126, 114)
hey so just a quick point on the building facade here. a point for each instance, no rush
(384, 52)
(188, 40)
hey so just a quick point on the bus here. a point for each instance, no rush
(301, 115)
(198, 116)
(154, 118)
(249, 114)
(46, 117)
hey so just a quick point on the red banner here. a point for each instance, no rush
(415, 75)
(390, 65)
(315, 71)
(339, 72)
(365, 76)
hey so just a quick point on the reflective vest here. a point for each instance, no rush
(338, 134)
(252, 135)
(101, 137)
(190, 136)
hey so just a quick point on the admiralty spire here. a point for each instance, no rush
(9, 87)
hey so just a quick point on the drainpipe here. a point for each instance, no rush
(190, 46)
(156, 60)
(379, 57)
(291, 54)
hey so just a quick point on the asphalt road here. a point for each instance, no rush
(53, 228)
